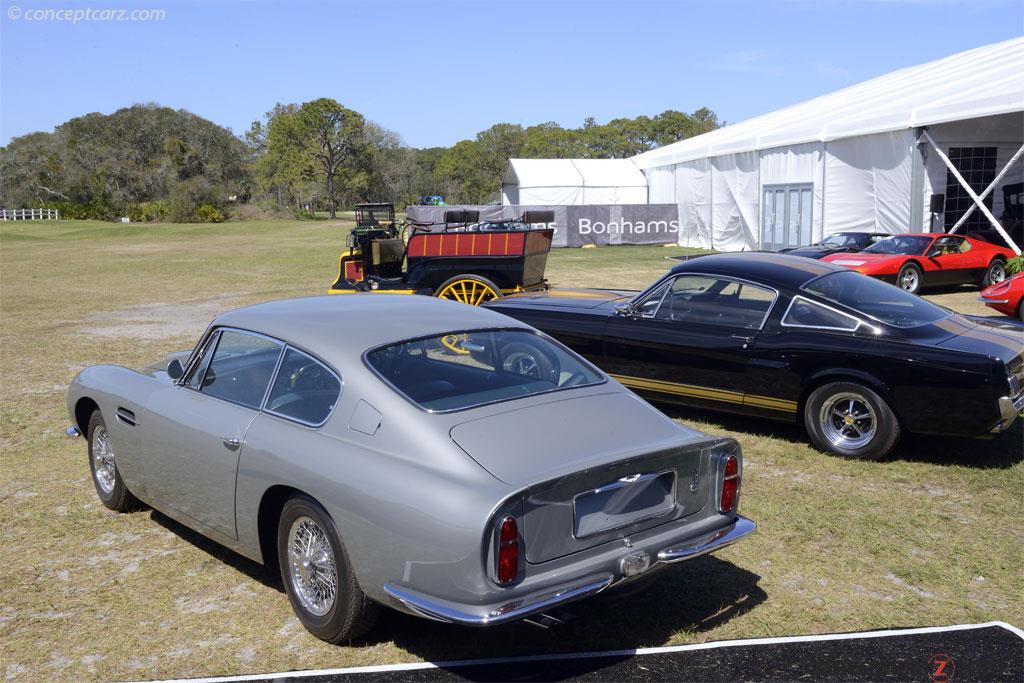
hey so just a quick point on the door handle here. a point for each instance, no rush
(231, 443)
(743, 338)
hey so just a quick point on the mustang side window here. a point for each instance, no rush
(805, 313)
(707, 300)
(304, 389)
(241, 368)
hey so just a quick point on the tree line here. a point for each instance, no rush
(149, 162)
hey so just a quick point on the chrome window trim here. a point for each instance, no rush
(730, 278)
(659, 290)
(273, 379)
(855, 319)
(593, 368)
(213, 331)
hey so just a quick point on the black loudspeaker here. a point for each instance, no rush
(541, 216)
(937, 204)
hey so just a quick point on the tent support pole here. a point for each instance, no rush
(970, 193)
(989, 189)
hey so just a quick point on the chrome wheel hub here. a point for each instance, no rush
(909, 280)
(311, 568)
(997, 274)
(848, 421)
(103, 465)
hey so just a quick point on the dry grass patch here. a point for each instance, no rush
(932, 536)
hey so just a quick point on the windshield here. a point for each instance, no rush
(900, 244)
(468, 369)
(876, 299)
(839, 241)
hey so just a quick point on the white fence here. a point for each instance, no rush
(29, 214)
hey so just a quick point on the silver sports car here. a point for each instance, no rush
(406, 451)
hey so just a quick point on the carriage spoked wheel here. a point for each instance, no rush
(468, 289)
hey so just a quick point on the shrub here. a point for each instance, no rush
(145, 212)
(1015, 265)
(208, 213)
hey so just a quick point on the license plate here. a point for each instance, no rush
(626, 501)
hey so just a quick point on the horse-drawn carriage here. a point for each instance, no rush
(461, 258)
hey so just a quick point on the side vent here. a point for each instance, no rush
(126, 416)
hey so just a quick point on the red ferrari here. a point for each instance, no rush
(919, 260)
(1007, 297)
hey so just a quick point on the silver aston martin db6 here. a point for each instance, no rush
(406, 451)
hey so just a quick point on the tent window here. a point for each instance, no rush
(978, 167)
(786, 216)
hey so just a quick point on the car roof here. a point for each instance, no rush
(775, 270)
(339, 328)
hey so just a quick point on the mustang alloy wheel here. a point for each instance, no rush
(850, 420)
(909, 278)
(469, 289)
(847, 420)
(317, 575)
(110, 487)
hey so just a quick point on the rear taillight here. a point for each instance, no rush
(730, 485)
(507, 569)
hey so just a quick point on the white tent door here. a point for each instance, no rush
(786, 216)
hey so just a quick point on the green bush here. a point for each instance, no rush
(208, 213)
(145, 212)
(1015, 265)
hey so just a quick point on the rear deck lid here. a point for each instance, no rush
(550, 439)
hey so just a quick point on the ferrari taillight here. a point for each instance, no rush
(507, 569)
(730, 485)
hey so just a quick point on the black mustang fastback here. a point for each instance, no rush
(856, 360)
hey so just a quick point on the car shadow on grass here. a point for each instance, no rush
(269, 577)
(690, 598)
(1001, 451)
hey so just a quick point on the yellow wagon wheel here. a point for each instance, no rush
(468, 289)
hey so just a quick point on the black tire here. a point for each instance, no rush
(909, 278)
(109, 486)
(1020, 310)
(468, 289)
(351, 614)
(520, 358)
(835, 433)
(995, 273)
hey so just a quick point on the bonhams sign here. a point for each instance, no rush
(576, 226)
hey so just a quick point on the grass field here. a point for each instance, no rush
(931, 536)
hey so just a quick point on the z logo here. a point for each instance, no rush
(941, 668)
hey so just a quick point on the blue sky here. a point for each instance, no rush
(439, 72)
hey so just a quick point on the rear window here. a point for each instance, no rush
(876, 299)
(467, 369)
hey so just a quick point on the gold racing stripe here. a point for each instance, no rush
(707, 393)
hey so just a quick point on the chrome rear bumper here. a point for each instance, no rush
(489, 615)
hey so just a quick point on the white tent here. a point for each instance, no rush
(856, 159)
(573, 181)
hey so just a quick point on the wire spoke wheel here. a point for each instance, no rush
(103, 460)
(311, 567)
(848, 421)
(468, 291)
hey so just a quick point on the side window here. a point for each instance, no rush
(304, 390)
(241, 367)
(195, 378)
(805, 313)
(707, 300)
(649, 306)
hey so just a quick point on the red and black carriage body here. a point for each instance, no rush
(461, 259)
